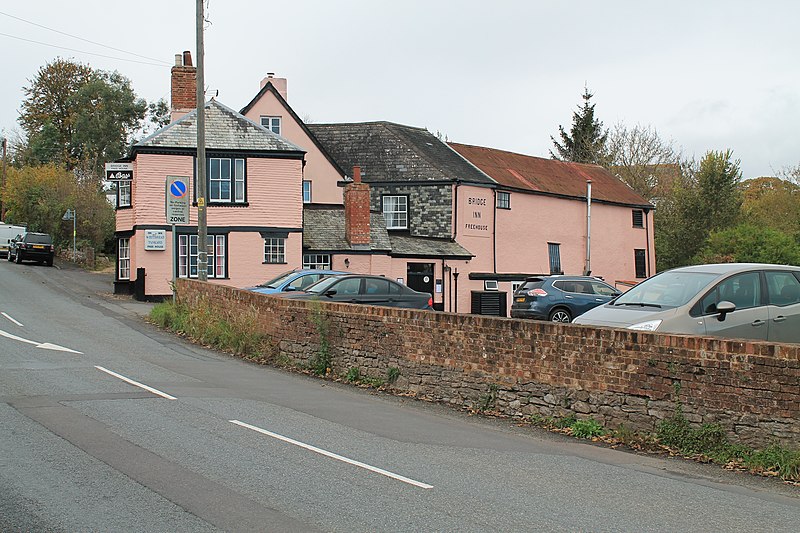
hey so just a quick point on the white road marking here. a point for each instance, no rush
(12, 320)
(43, 345)
(136, 383)
(334, 456)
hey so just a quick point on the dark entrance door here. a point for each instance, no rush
(420, 277)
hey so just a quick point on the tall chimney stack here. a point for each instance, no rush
(278, 83)
(184, 86)
(356, 211)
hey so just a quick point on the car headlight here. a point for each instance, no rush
(650, 325)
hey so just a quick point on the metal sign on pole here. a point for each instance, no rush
(70, 214)
(177, 212)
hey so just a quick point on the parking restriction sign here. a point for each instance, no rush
(177, 204)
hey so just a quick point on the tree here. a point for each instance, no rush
(640, 158)
(39, 196)
(586, 141)
(79, 118)
(107, 113)
(706, 198)
(748, 243)
(773, 203)
(46, 108)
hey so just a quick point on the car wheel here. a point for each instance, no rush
(560, 315)
(50, 262)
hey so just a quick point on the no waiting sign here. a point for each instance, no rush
(177, 196)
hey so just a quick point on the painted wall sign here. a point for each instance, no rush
(477, 214)
(177, 200)
(155, 239)
(119, 171)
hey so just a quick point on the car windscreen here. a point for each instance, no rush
(274, 282)
(322, 285)
(38, 239)
(667, 290)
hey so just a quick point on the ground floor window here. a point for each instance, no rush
(317, 261)
(640, 262)
(275, 250)
(124, 259)
(554, 251)
(188, 256)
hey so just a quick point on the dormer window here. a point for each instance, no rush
(395, 212)
(271, 123)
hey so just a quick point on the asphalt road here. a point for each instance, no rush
(201, 441)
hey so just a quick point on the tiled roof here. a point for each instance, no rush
(225, 130)
(388, 152)
(324, 231)
(427, 247)
(549, 176)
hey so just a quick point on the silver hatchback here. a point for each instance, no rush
(734, 300)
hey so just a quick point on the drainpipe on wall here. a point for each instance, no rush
(647, 242)
(588, 270)
(494, 231)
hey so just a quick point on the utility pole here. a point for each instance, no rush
(3, 185)
(202, 227)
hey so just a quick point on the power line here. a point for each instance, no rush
(81, 39)
(162, 65)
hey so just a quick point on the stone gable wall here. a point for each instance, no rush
(524, 368)
(429, 207)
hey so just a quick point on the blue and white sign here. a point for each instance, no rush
(177, 200)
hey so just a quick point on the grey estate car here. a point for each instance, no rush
(735, 300)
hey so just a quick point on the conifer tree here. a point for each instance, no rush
(586, 141)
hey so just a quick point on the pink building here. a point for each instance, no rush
(463, 223)
(254, 202)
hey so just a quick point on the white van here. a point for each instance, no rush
(8, 232)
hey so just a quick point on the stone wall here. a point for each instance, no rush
(429, 207)
(524, 368)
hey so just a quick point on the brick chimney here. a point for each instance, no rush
(356, 210)
(184, 86)
(278, 83)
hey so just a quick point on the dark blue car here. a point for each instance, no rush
(560, 298)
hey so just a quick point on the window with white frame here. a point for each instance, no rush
(188, 256)
(395, 212)
(124, 193)
(317, 261)
(274, 250)
(271, 123)
(124, 260)
(306, 192)
(226, 180)
(503, 200)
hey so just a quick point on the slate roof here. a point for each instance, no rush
(550, 176)
(226, 129)
(324, 231)
(407, 245)
(388, 152)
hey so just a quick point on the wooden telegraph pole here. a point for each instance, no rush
(202, 228)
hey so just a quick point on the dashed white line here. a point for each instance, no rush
(334, 456)
(136, 383)
(12, 320)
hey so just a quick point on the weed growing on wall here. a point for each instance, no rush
(353, 374)
(392, 373)
(488, 400)
(586, 429)
(320, 364)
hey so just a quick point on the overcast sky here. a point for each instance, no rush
(709, 75)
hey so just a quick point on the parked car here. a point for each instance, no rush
(363, 289)
(32, 247)
(8, 232)
(560, 298)
(294, 280)
(738, 300)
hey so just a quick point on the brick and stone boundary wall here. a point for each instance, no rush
(524, 368)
